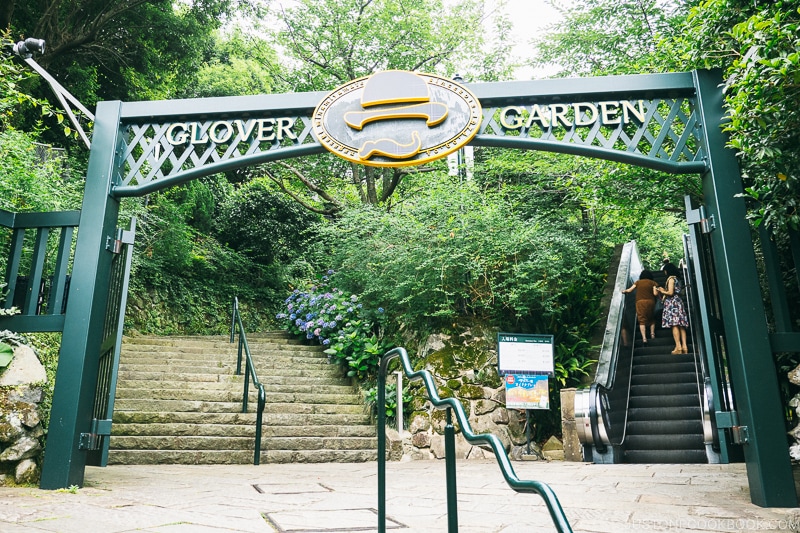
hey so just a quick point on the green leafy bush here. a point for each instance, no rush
(390, 401)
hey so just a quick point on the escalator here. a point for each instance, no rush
(646, 405)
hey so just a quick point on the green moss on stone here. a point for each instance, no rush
(472, 392)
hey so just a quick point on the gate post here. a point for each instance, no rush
(76, 377)
(752, 367)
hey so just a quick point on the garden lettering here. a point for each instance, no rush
(569, 115)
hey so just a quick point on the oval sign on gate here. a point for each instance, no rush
(397, 118)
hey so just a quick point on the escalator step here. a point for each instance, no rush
(665, 442)
(664, 401)
(664, 378)
(661, 413)
(665, 456)
(663, 368)
(664, 389)
(663, 357)
(662, 427)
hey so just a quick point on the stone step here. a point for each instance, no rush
(228, 370)
(319, 371)
(203, 395)
(186, 378)
(240, 430)
(125, 404)
(225, 367)
(163, 443)
(171, 442)
(166, 406)
(130, 388)
(223, 346)
(215, 380)
(200, 351)
(133, 457)
(271, 418)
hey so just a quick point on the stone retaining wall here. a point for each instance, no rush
(465, 367)
(21, 432)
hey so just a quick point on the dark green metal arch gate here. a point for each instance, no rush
(133, 153)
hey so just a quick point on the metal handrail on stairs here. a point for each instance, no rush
(250, 372)
(451, 404)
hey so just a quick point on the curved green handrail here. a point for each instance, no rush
(542, 489)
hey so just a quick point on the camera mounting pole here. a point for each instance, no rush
(24, 50)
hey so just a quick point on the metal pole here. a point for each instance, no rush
(528, 430)
(399, 403)
(450, 465)
(381, 451)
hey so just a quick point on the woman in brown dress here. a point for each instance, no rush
(645, 303)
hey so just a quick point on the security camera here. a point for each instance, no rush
(26, 48)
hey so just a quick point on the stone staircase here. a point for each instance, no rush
(179, 401)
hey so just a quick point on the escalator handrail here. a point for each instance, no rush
(608, 360)
(701, 370)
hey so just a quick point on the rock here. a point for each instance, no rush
(11, 427)
(553, 449)
(463, 448)
(421, 440)
(499, 395)
(27, 472)
(516, 426)
(26, 393)
(24, 369)
(30, 418)
(479, 453)
(432, 344)
(483, 406)
(419, 422)
(520, 453)
(500, 416)
(471, 392)
(24, 448)
(794, 375)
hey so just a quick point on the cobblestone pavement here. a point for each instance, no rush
(337, 498)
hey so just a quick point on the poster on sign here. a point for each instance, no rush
(519, 353)
(527, 391)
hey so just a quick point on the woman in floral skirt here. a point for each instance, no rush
(674, 314)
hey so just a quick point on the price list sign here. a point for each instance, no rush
(519, 353)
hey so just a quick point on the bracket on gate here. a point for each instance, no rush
(93, 440)
(699, 216)
(730, 420)
(114, 244)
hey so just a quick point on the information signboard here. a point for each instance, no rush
(527, 391)
(519, 353)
